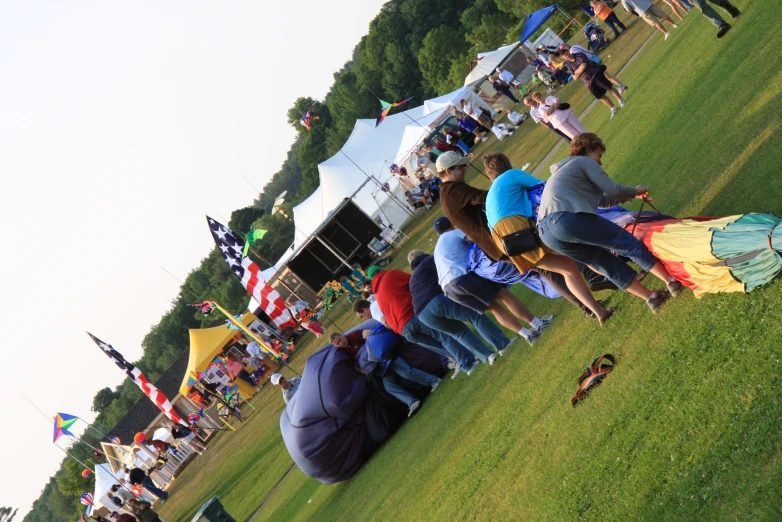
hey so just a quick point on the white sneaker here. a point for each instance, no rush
(412, 409)
(675, 26)
(434, 386)
(491, 359)
(456, 372)
(484, 138)
(507, 346)
(526, 166)
(614, 110)
(666, 36)
(622, 104)
(532, 337)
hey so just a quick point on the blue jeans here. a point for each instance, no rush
(150, 486)
(612, 21)
(417, 332)
(448, 317)
(400, 368)
(590, 239)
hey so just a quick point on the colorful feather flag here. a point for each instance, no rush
(386, 108)
(86, 499)
(63, 421)
(307, 120)
(252, 237)
(135, 375)
(249, 275)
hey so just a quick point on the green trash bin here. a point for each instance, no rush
(213, 511)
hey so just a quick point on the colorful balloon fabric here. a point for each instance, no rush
(63, 421)
(307, 120)
(86, 499)
(710, 255)
(140, 438)
(116, 440)
(86, 473)
(193, 418)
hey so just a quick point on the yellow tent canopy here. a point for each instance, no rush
(205, 345)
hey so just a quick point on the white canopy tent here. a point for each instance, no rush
(489, 62)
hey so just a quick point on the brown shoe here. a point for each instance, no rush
(657, 299)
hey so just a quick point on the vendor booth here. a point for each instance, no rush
(206, 348)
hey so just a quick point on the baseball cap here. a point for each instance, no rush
(449, 159)
(275, 378)
(442, 224)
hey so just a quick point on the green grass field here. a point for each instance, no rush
(686, 428)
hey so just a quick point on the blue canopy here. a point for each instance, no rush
(534, 20)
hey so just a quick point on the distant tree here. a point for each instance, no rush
(103, 400)
(10, 519)
(242, 219)
(442, 46)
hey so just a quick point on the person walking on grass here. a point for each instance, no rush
(607, 15)
(596, 78)
(568, 222)
(138, 477)
(711, 15)
(675, 5)
(288, 387)
(561, 117)
(503, 88)
(651, 13)
(509, 211)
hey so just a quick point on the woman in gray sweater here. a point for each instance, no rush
(568, 221)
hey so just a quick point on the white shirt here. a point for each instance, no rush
(254, 349)
(537, 114)
(501, 130)
(506, 76)
(451, 256)
(639, 6)
(374, 309)
(473, 111)
(515, 117)
(556, 117)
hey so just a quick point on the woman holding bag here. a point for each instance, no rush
(510, 217)
(559, 115)
(568, 221)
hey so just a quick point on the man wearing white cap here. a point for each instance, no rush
(289, 388)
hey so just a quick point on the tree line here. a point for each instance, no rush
(418, 48)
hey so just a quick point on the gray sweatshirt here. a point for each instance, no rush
(579, 184)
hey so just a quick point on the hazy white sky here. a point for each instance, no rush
(121, 125)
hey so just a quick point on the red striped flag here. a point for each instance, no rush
(250, 275)
(135, 375)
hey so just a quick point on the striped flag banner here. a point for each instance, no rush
(249, 274)
(135, 375)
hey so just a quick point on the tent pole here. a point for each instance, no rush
(572, 18)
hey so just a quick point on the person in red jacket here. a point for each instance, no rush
(392, 292)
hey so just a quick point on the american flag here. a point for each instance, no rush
(135, 375)
(250, 275)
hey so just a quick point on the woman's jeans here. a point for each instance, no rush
(591, 239)
(612, 21)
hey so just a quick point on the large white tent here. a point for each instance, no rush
(365, 159)
(489, 62)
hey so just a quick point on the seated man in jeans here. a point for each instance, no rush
(438, 312)
(392, 292)
(352, 342)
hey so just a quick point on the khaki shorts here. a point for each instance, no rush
(653, 15)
